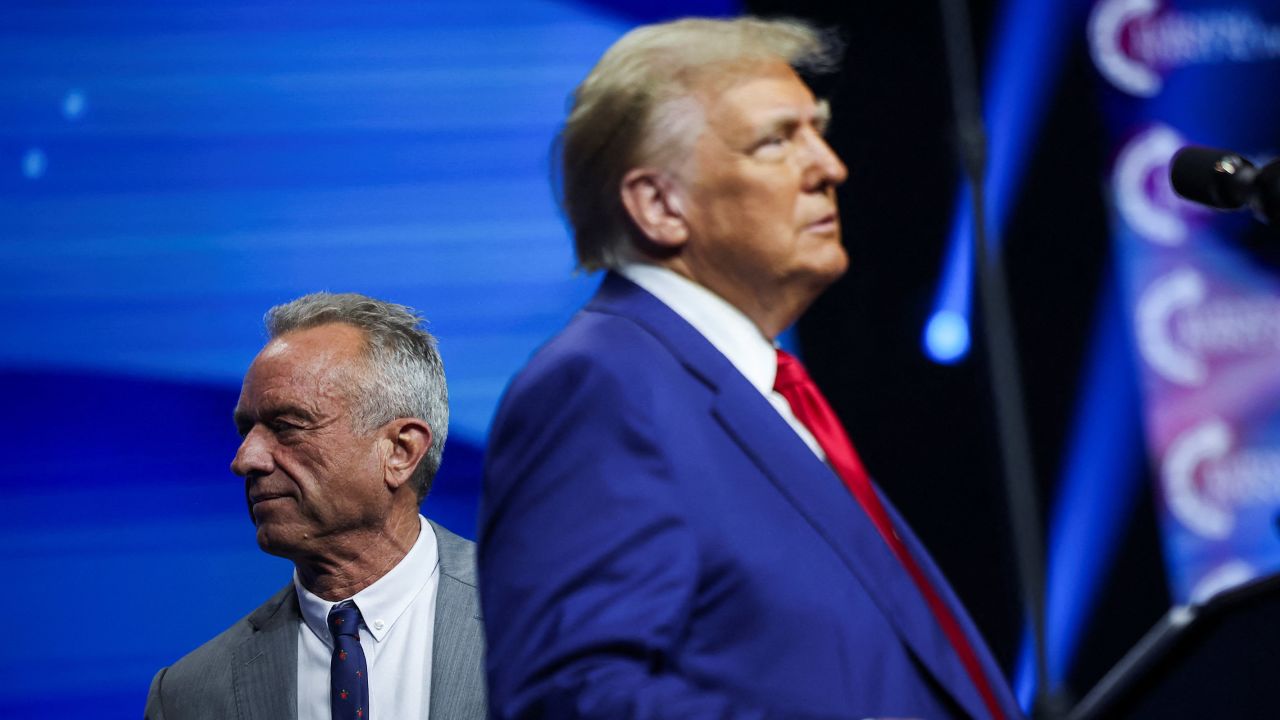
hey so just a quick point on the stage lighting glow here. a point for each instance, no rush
(1030, 46)
(73, 105)
(946, 337)
(34, 163)
(1100, 482)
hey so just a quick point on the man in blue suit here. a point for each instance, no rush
(665, 531)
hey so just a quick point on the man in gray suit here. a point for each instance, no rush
(343, 414)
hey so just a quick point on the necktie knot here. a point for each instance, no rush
(344, 619)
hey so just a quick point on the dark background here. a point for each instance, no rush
(927, 431)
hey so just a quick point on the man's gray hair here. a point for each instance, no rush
(405, 375)
(634, 109)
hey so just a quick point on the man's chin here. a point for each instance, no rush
(274, 541)
(830, 269)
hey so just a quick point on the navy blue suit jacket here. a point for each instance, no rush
(656, 542)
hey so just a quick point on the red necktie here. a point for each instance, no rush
(811, 409)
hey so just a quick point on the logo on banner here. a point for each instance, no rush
(1182, 476)
(1163, 300)
(1178, 327)
(1135, 42)
(1144, 196)
(1112, 28)
(1205, 481)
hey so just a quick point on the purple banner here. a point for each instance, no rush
(1205, 311)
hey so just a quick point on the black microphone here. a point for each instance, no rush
(1223, 179)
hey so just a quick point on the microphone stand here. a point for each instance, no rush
(1019, 473)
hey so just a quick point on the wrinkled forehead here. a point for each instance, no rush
(758, 100)
(317, 362)
(719, 92)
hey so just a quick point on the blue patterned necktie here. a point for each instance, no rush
(348, 674)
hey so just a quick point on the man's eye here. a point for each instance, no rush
(771, 145)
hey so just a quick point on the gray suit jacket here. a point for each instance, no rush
(250, 671)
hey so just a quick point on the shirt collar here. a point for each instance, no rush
(383, 602)
(723, 325)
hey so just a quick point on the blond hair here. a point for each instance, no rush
(636, 107)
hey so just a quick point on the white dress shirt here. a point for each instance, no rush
(725, 327)
(398, 620)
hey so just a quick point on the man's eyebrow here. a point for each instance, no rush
(789, 119)
(822, 114)
(244, 417)
(288, 409)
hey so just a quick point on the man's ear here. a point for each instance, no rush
(407, 441)
(656, 207)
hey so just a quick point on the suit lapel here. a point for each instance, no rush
(265, 672)
(990, 668)
(817, 493)
(458, 641)
(811, 487)
(265, 666)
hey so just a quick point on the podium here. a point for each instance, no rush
(1219, 659)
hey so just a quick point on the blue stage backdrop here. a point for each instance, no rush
(170, 170)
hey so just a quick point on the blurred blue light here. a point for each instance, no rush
(1099, 484)
(34, 163)
(73, 105)
(946, 337)
(1030, 46)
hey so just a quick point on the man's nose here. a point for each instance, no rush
(825, 167)
(254, 455)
